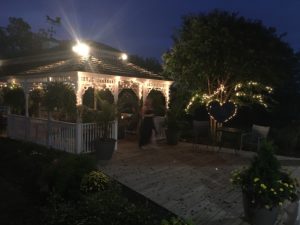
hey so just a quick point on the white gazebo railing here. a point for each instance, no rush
(69, 137)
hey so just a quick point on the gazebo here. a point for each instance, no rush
(90, 65)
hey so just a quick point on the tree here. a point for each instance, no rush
(128, 102)
(158, 102)
(35, 100)
(151, 64)
(88, 98)
(60, 97)
(224, 56)
(17, 38)
(14, 97)
(92, 97)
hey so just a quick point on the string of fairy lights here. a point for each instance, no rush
(227, 119)
(240, 90)
(205, 98)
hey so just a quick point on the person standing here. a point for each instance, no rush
(147, 127)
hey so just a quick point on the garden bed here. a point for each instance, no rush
(42, 186)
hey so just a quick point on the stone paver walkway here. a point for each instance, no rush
(190, 182)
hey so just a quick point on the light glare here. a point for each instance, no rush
(81, 49)
(124, 56)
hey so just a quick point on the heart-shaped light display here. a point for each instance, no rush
(221, 112)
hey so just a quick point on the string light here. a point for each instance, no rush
(255, 97)
(229, 118)
(240, 90)
(205, 98)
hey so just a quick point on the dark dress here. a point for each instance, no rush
(146, 128)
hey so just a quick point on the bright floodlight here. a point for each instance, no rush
(124, 56)
(81, 49)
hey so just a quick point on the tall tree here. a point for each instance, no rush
(223, 53)
(18, 39)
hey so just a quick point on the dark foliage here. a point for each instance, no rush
(158, 102)
(150, 64)
(17, 38)
(60, 98)
(14, 97)
(42, 186)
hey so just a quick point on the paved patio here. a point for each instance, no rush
(192, 183)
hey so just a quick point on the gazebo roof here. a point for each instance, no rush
(103, 60)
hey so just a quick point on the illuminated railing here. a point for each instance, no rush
(69, 137)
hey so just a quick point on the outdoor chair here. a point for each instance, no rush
(254, 138)
(201, 132)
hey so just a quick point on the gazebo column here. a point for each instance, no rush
(116, 97)
(27, 120)
(95, 97)
(26, 104)
(140, 91)
(78, 92)
(167, 95)
(144, 93)
(26, 92)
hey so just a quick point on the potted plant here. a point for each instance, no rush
(265, 187)
(104, 144)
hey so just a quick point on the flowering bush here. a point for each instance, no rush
(94, 181)
(264, 183)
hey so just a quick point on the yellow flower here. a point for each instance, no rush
(286, 184)
(280, 203)
(263, 186)
(281, 189)
(291, 186)
(272, 189)
(256, 179)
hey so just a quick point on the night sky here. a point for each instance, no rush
(145, 27)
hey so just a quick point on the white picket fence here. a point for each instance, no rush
(69, 137)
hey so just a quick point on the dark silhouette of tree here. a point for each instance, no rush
(225, 48)
(17, 38)
(151, 64)
(14, 97)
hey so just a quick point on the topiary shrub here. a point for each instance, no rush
(14, 97)
(60, 99)
(94, 181)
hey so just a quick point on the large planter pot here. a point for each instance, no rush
(104, 148)
(259, 216)
(292, 211)
(172, 136)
